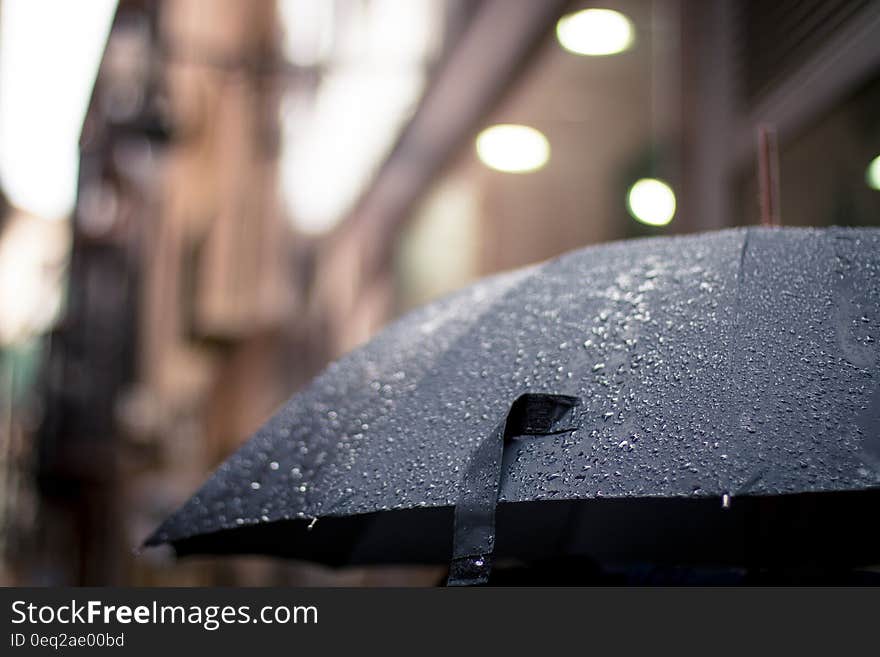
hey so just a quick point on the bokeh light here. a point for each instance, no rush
(595, 32)
(651, 201)
(872, 175)
(513, 148)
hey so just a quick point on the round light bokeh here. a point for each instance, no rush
(595, 32)
(872, 175)
(513, 148)
(651, 201)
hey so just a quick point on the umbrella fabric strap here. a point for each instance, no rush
(532, 414)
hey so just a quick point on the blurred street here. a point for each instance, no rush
(204, 202)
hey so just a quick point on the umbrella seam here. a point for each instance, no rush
(733, 350)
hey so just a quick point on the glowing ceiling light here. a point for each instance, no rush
(651, 201)
(595, 32)
(513, 148)
(872, 175)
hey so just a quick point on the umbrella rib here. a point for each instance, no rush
(733, 358)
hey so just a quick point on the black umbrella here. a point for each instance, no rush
(705, 399)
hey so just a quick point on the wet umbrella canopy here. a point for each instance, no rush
(711, 398)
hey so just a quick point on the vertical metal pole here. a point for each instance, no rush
(768, 175)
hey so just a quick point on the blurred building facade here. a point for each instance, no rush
(207, 281)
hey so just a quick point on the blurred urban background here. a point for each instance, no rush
(205, 201)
